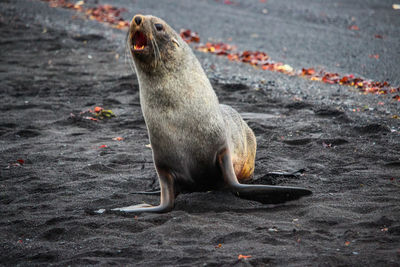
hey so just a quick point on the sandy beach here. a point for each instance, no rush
(57, 166)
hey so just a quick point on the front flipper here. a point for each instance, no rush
(167, 197)
(133, 207)
(266, 194)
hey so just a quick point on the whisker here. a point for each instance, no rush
(154, 51)
(155, 48)
(153, 42)
(159, 54)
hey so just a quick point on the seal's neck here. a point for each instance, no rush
(173, 80)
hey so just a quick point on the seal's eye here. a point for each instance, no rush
(159, 26)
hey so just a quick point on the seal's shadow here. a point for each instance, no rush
(221, 201)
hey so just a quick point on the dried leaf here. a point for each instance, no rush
(98, 109)
(326, 145)
(243, 257)
(90, 118)
(102, 13)
(308, 71)
(354, 28)
(188, 36)
(285, 68)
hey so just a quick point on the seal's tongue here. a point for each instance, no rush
(139, 41)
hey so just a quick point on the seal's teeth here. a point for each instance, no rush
(136, 47)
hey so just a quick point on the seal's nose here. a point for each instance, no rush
(138, 19)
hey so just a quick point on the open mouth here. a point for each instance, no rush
(139, 41)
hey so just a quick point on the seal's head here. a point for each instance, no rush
(153, 43)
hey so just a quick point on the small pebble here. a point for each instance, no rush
(100, 211)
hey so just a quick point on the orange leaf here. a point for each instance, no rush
(243, 257)
(118, 138)
(308, 71)
(347, 243)
(98, 109)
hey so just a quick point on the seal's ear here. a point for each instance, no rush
(176, 42)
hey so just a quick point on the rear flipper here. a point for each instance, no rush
(265, 194)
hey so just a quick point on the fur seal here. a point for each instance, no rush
(198, 144)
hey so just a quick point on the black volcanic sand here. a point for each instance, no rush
(53, 64)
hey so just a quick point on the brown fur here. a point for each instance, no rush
(242, 142)
(197, 93)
